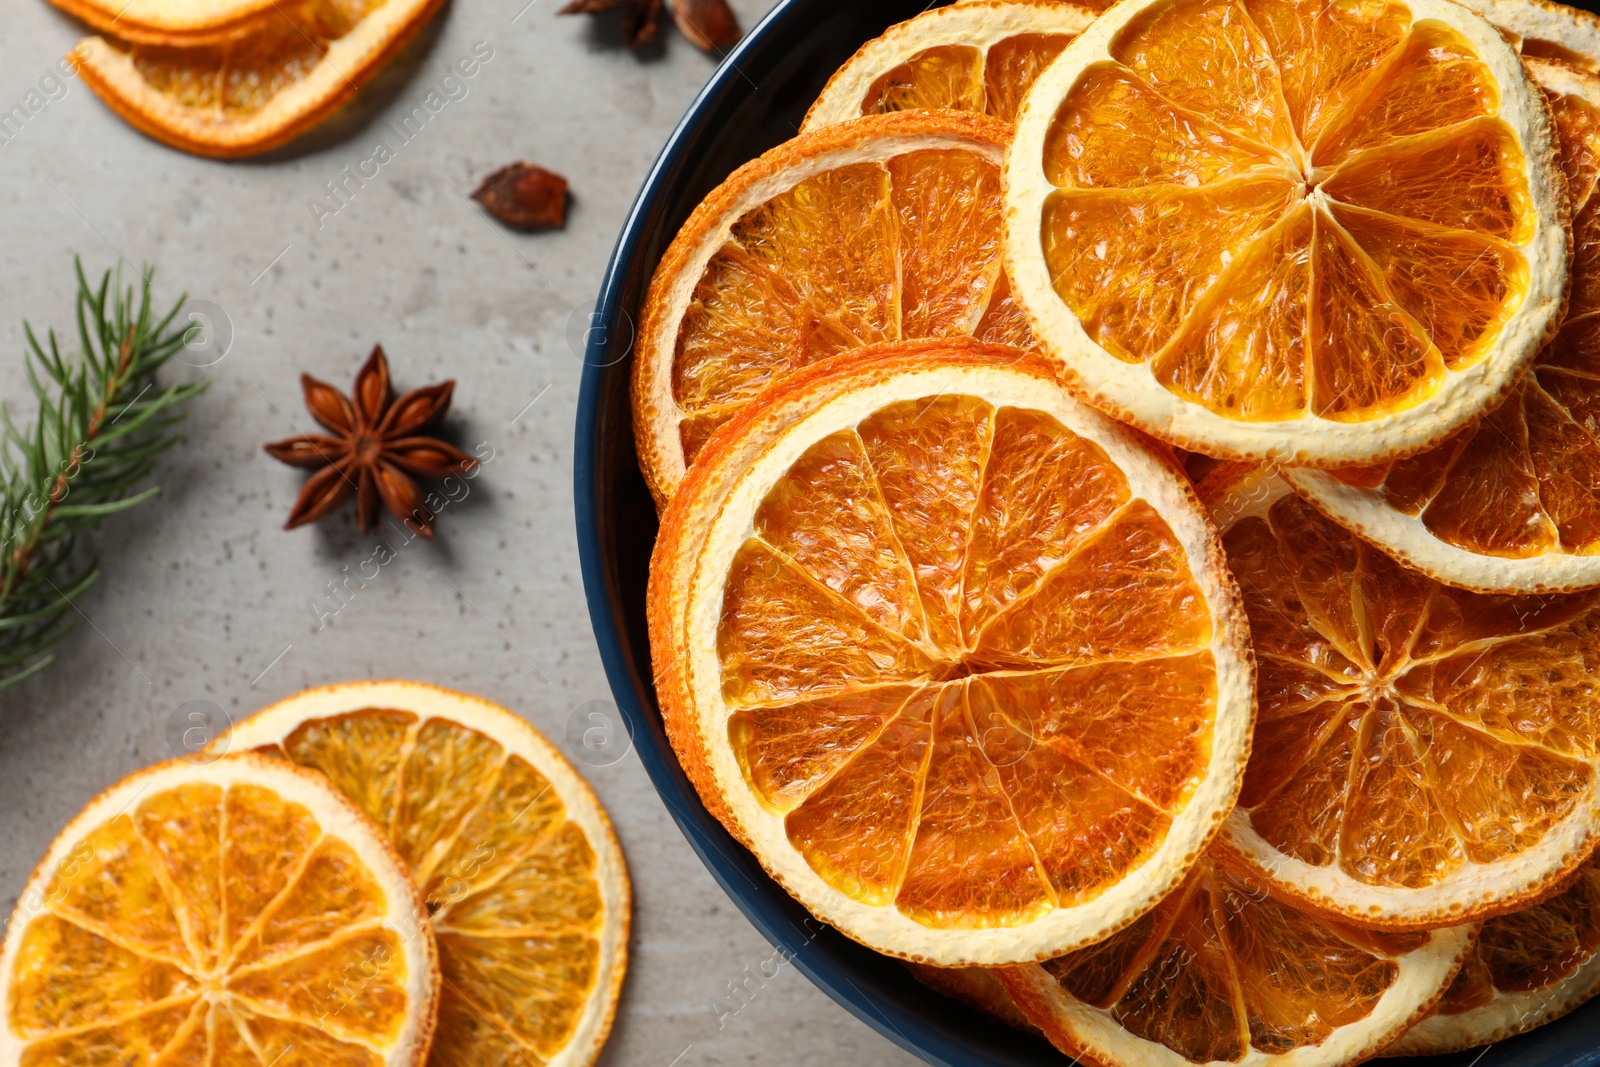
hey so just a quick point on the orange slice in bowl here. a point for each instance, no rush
(1546, 30)
(956, 657)
(1511, 504)
(523, 877)
(1423, 755)
(881, 229)
(297, 65)
(967, 57)
(1092, 6)
(1527, 969)
(232, 913)
(1311, 233)
(1220, 973)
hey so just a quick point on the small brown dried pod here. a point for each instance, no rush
(710, 24)
(525, 197)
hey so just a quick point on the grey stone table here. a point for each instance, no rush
(206, 598)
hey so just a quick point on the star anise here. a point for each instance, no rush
(641, 19)
(710, 24)
(379, 446)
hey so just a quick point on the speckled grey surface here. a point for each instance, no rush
(206, 598)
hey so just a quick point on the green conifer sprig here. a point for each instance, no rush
(101, 424)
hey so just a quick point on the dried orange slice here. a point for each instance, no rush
(880, 229)
(1311, 233)
(956, 657)
(1527, 969)
(522, 874)
(1545, 30)
(1092, 6)
(1511, 504)
(1220, 972)
(294, 68)
(170, 22)
(232, 914)
(1423, 754)
(968, 57)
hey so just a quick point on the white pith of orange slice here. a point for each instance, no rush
(295, 66)
(1527, 969)
(523, 878)
(231, 913)
(1423, 755)
(954, 656)
(968, 57)
(1221, 973)
(1511, 505)
(881, 229)
(1341, 279)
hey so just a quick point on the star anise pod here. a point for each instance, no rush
(710, 24)
(377, 448)
(641, 20)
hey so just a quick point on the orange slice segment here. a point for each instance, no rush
(1220, 972)
(1422, 754)
(1528, 968)
(871, 231)
(967, 57)
(292, 68)
(200, 913)
(524, 880)
(1512, 504)
(981, 693)
(1229, 220)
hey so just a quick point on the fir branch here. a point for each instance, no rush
(101, 425)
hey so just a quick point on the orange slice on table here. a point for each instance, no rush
(1511, 504)
(232, 914)
(968, 57)
(1220, 972)
(1527, 969)
(1310, 233)
(297, 65)
(522, 874)
(1423, 755)
(171, 22)
(880, 229)
(956, 657)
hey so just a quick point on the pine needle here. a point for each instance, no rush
(101, 423)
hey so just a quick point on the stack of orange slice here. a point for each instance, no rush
(959, 658)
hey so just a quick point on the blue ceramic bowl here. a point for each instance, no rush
(754, 101)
